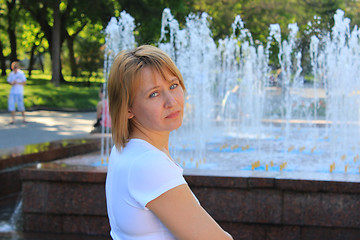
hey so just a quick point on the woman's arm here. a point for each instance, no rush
(184, 216)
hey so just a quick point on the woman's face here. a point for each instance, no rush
(158, 103)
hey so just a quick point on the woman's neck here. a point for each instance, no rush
(158, 140)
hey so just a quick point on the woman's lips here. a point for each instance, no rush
(173, 114)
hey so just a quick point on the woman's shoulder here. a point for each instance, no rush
(147, 155)
(137, 150)
(20, 72)
(139, 146)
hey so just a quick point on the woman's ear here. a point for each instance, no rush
(130, 114)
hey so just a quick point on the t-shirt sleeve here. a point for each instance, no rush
(10, 78)
(23, 77)
(152, 175)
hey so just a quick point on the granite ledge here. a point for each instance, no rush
(299, 182)
(60, 171)
(84, 174)
(46, 152)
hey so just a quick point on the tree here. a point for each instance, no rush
(82, 14)
(71, 12)
(352, 10)
(32, 42)
(2, 60)
(320, 15)
(42, 11)
(70, 44)
(34, 47)
(148, 16)
(222, 15)
(9, 16)
(56, 44)
(325, 9)
(12, 18)
(89, 47)
(2, 39)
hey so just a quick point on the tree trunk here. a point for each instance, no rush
(55, 48)
(40, 58)
(70, 43)
(2, 61)
(31, 61)
(73, 66)
(52, 34)
(11, 20)
(32, 53)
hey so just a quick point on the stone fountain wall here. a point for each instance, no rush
(280, 208)
(13, 159)
(65, 198)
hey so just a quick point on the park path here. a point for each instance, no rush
(44, 126)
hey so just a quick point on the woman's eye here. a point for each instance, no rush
(154, 94)
(174, 86)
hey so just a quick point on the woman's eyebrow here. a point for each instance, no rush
(151, 89)
(173, 79)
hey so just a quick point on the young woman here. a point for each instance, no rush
(147, 195)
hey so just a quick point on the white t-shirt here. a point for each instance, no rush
(137, 175)
(19, 76)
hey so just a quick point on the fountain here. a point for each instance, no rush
(234, 112)
(267, 159)
(230, 101)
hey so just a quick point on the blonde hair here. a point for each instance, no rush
(13, 64)
(124, 80)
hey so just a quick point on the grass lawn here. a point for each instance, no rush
(77, 94)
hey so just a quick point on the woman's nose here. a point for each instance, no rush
(169, 100)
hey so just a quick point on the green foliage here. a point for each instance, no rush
(148, 14)
(352, 10)
(90, 53)
(223, 14)
(83, 22)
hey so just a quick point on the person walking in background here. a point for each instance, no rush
(17, 80)
(146, 193)
(102, 114)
